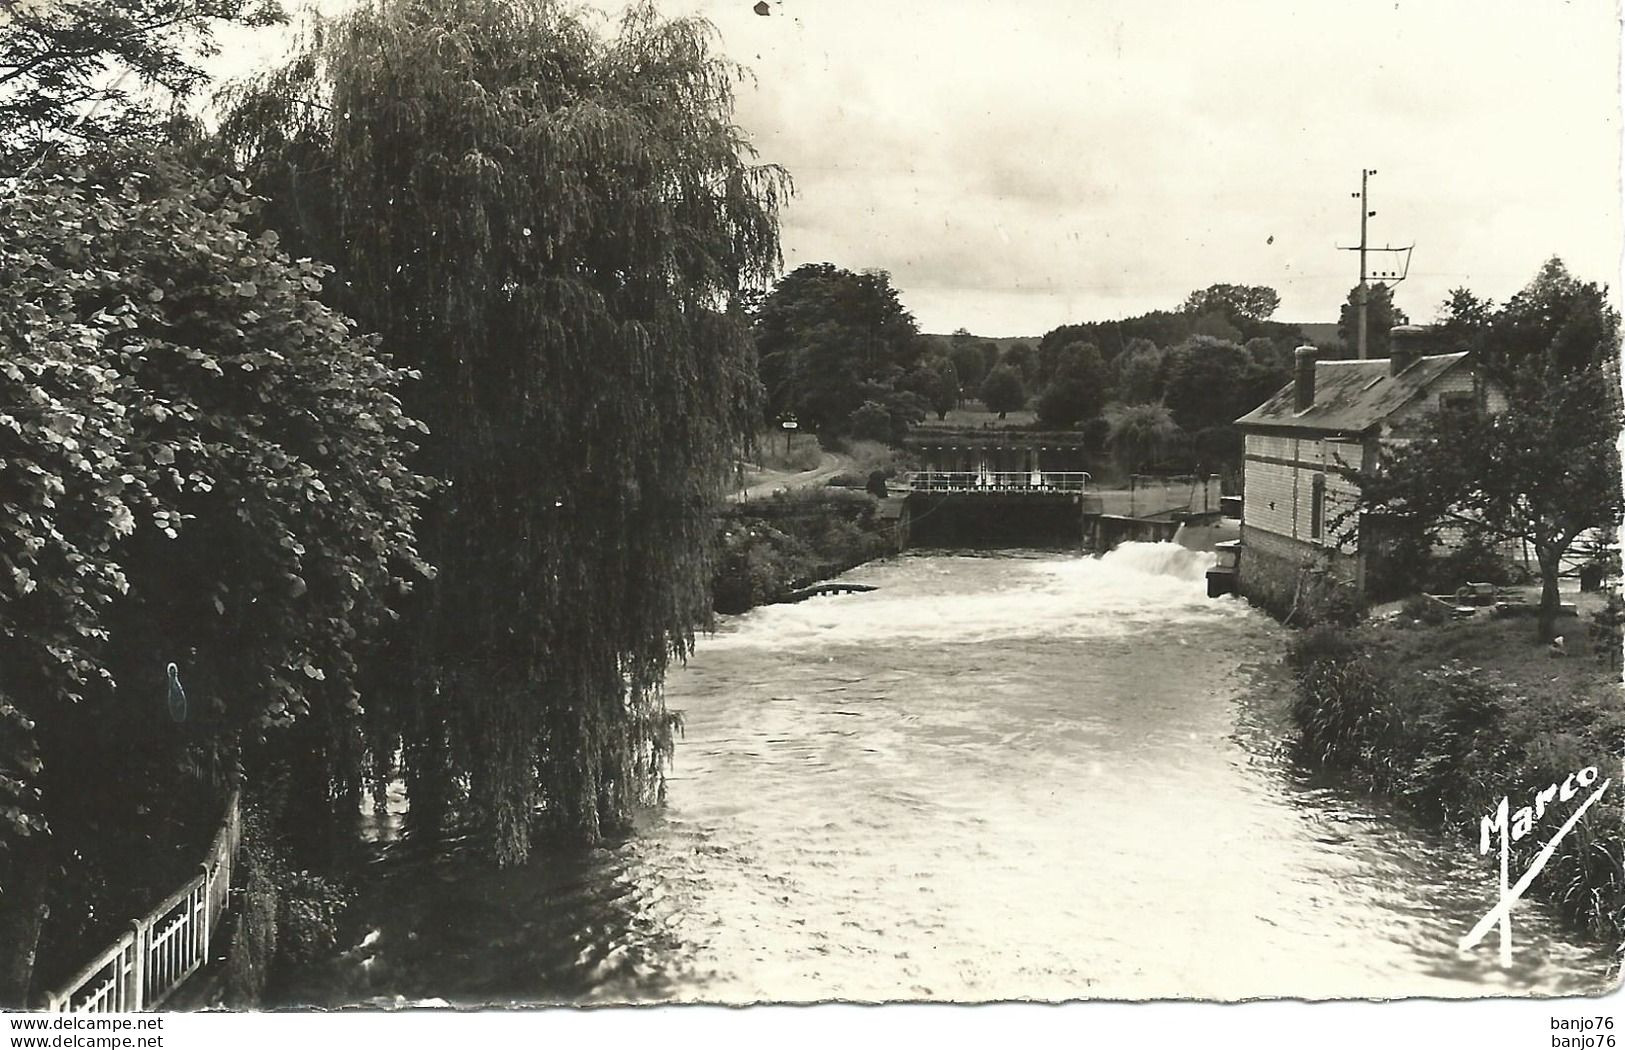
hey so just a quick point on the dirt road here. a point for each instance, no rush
(829, 465)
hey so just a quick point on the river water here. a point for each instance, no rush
(1022, 776)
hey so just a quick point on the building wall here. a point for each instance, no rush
(1460, 380)
(1279, 471)
(1278, 484)
(1279, 573)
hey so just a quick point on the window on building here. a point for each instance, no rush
(1317, 506)
(1457, 404)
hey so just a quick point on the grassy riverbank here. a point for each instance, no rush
(1447, 719)
(773, 546)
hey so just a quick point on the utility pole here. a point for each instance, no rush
(1362, 292)
(1362, 297)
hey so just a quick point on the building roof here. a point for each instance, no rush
(1351, 395)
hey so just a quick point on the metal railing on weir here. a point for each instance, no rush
(998, 480)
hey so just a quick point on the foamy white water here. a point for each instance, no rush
(960, 599)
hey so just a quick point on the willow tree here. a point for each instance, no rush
(553, 223)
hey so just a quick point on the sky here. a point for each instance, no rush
(1021, 164)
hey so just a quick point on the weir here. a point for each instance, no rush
(974, 505)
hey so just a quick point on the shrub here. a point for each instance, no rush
(870, 422)
(803, 454)
(1474, 561)
(308, 921)
(1323, 598)
(791, 539)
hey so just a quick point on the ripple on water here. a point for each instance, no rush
(992, 778)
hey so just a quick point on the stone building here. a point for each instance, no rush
(1300, 531)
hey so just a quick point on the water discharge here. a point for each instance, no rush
(995, 777)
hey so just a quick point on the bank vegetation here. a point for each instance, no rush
(1448, 719)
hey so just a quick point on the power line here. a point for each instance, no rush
(1399, 268)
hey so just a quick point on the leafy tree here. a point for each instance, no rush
(903, 409)
(1217, 448)
(1546, 469)
(1381, 315)
(1023, 358)
(1236, 302)
(199, 464)
(1002, 391)
(1269, 367)
(1206, 383)
(555, 227)
(1557, 325)
(944, 393)
(871, 422)
(1095, 432)
(1077, 389)
(1210, 315)
(823, 332)
(1463, 320)
(1140, 434)
(91, 70)
(990, 355)
(1215, 326)
(1140, 371)
(969, 364)
(934, 384)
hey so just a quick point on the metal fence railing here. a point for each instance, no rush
(998, 480)
(163, 948)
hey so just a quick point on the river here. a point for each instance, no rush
(1021, 776)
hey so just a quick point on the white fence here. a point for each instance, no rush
(998, 480)
(143, 968)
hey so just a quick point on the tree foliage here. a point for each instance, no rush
(1207, 383)
(969, 358)
(1078, 388)
(1544, 470)
(935, 383)
(829, 339)
(1381, 315)
(1236, 302)
(1023, 358)
(1140, 434)
(199, 464)
(95, 70)
(556, 227)
(1002, 391)
(948, 387)
(1140, 372)
(1230, 313)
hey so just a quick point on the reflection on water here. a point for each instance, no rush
(992, 778)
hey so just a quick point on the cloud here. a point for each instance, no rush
(1019, 165)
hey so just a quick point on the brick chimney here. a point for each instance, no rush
(1404, 347)
(1303, 379)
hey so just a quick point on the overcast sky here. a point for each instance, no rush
(1024, 163)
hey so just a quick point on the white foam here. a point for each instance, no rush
(1117, 594)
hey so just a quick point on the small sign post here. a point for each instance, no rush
(789, 424)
